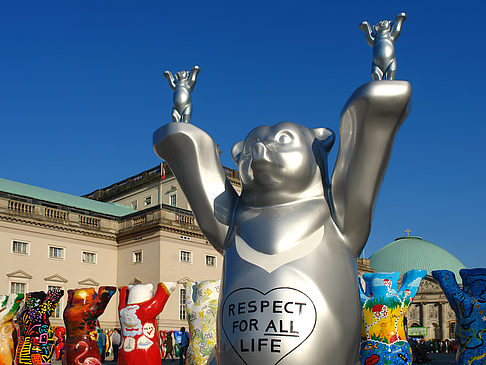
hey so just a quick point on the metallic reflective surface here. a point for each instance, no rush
(182, 93)
(382, 38)
(304, 307)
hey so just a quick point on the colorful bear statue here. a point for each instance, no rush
(81, 320)
(469, 304)
(138, 309)
(9, 305)
(201, 308)
(383, 338)
(60, 334)
(36, 336)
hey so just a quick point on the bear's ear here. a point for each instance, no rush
(325, 137)
(236, 150)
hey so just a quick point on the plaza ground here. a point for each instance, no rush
(437, 359)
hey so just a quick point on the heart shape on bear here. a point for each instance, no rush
(263, 328)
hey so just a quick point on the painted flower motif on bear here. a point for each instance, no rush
(383, 335)
(201, 307)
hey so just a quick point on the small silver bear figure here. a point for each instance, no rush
(383, 40)
(182, 110)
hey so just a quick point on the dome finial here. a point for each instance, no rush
(408, 231)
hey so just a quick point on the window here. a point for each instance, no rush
(137, 257)
(182, 304)
(17, 288)
(56, 252)
(57, 311)
(452, 329)
(20, 247)
(210, 260)
(148, 200)
(89, 257)
(173, 200)
(134, 204)
(186, 256)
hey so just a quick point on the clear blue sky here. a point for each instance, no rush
(81, 93)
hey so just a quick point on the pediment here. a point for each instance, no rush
(429, 285)
(57, 278)
(135, 281)
(171, 189)
(89, 282)
(184, 279)
(21, 274)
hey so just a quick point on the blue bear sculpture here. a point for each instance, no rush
(469, 304)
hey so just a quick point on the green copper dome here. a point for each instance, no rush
(407, 253)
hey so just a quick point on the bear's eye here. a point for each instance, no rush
(284, 137)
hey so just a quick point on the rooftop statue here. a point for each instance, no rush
(383, 40)
(182, 93)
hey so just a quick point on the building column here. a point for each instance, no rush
(440, 320)
(444, 324)
(421, 314)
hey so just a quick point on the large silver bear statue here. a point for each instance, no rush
(291, 239)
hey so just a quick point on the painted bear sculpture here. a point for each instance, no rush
(201, 308)
(469, 304)
(36, 336)
(291, 239)
(383, 339)
(9, 305)
(138, 309)
(81, 314)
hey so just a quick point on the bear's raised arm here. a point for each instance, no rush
(366, 28)
(369, 122)
(397, 26)
(192, 155)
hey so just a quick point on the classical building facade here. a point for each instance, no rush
(55, 240)
(139, 230)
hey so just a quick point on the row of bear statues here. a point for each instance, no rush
(290, 240)
(383, 337)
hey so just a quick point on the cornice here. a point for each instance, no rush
(56, 227)
(150, 228)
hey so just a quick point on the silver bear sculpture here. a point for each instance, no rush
(384, 66)
(186, 81)
(291, 239)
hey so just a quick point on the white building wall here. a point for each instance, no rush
(39, 267)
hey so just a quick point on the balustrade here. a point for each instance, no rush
(56, 214)
(89, 221)
(184, 219)
(21, 207)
